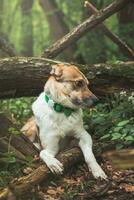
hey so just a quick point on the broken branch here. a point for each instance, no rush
(83, 28)
(124, 48)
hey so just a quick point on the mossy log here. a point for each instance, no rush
(27, 76)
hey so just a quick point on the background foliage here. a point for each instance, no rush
(94, 47)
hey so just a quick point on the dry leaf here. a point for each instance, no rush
(129, 188)
(51, 191)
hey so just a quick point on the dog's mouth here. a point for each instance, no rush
(86, 102)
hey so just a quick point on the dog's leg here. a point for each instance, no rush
(51, 148)
(85, 144)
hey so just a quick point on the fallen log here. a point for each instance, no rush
(83, 28)
(20, 186)
(121, 159)
(11, 139)
(27, 76)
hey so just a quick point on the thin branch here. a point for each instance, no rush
(124, 48)
(83, 28)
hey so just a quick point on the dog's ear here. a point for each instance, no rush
(57, 71)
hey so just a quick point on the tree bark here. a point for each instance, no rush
(83, 28)
(18, 143)
(6, 47)
(121, 159)
(27, 28)
(58, 28)
(126, 24)
(124, 48)
(27, 76)
(55, 18)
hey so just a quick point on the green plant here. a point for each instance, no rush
(18, 109)
(114, 120)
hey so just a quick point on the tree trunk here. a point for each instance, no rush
(27, 28)
(6, 47)
(27, 76)
(1, 13)
(58, 28)
(83, 28)
(126, 24)
(98, 52)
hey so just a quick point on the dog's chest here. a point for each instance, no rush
(60, 124)
(64, 124)
(50, 120)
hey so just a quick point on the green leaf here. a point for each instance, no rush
(116, 129)
(105, 136)
(116, 136)
(8, 157)
(119, 146)
(129, 138)
(123, 123)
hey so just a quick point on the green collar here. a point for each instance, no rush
(58, 107)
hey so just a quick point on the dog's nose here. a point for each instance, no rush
(90, 101)
(95, 100)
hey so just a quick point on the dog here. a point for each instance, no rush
(58, 113)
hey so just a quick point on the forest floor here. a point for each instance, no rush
(79, 184)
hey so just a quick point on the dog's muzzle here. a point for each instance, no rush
(86, 102)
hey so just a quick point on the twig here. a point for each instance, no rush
(124, 48)
(84, 27)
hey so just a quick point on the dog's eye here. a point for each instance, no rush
(79, 83)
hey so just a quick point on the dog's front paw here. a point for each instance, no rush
(52, 163)
(98, 172)
(55, 166)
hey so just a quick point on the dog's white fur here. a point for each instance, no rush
(54, 127)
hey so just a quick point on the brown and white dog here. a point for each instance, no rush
(58, 113)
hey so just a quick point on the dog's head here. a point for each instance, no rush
(68, 86)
